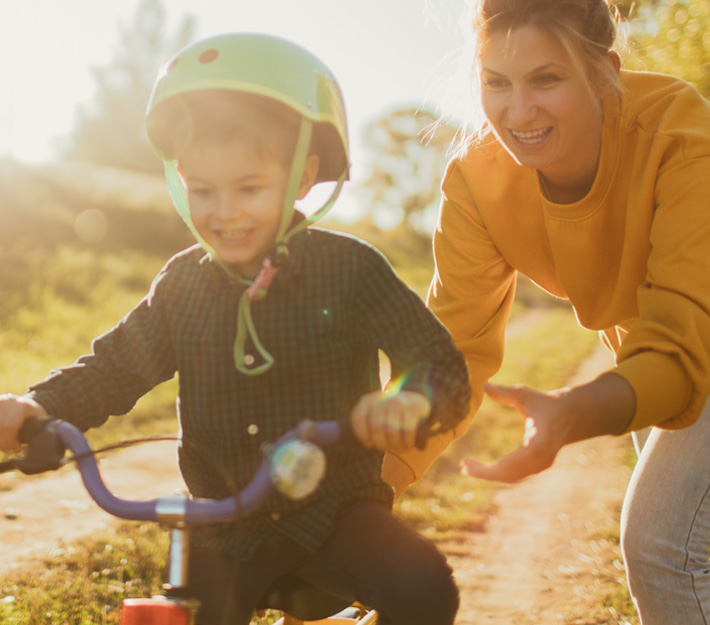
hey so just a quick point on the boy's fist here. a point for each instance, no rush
(389, 421)
(14, 409)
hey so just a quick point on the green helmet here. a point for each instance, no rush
(264, 65)
(270, 67)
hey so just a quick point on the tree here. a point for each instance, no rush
(109, 131)
(671, 37)
(408, 155)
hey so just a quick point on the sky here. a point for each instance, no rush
(386, 55)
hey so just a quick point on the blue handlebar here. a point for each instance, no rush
(195, 511)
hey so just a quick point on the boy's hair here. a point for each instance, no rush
(217, 116)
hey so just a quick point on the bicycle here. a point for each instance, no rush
(294, 464)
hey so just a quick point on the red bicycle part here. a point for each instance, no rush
(155, 611)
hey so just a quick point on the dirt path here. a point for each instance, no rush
(540, 562)
(545, 553)
(41, 514)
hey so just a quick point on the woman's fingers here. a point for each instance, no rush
(522, 463)
(542, 439)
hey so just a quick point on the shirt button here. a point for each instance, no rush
(275, 516)
(248, 360)
(253, 429)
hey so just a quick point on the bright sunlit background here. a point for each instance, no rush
(385, 53)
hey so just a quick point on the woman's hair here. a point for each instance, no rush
(587, 29)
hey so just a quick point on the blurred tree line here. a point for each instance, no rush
(408, 149)
(672, 37)
(109, 130)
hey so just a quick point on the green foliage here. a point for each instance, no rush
(672, 38)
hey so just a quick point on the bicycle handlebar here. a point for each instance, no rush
(178, 509)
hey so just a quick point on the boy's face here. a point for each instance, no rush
(236, 198)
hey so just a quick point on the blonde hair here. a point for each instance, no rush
(587, 29)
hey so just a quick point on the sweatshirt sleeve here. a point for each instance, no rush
(471, 294)
(666, 355)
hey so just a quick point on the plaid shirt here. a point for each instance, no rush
(326, 315)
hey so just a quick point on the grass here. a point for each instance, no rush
(85, 583)
(613, 598)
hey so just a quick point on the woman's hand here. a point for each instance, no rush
(14, 409)
(554, 419)
(388, 421)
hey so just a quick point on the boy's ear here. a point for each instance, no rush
(310, 173)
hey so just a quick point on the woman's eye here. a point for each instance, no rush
(546, 79)
(494, 83)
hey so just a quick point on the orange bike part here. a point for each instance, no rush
(154, 612)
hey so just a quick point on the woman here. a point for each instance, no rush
(595, 183)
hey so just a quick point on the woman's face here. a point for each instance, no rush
(539, 105)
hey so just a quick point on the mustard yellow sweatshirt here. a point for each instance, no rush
(633, 256)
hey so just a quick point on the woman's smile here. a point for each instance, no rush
(530, 137)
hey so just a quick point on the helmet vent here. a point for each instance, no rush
(208, 56)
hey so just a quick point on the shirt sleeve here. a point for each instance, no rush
(666, 355)
(422, 355)
(125, 363)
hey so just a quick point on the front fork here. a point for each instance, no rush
(175, 606)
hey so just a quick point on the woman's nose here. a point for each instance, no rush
(521, 107)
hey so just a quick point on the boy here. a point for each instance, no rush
(266, 322)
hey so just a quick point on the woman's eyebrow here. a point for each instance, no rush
(536, 70)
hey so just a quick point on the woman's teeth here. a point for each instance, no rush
(530, 137)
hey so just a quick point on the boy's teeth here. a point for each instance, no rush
(234, 234)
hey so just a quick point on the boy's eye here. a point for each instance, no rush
(201, 192)
(250, 189)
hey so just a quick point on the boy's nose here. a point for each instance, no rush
(227, 207)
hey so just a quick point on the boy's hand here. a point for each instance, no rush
(14, 409)
(389, 421)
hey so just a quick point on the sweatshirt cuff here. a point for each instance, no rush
(661, 387)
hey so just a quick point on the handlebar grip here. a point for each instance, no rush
(45, 448)
(31, 427)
